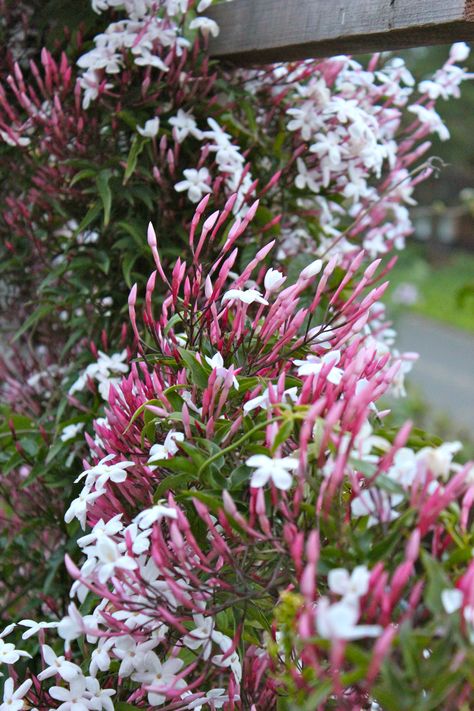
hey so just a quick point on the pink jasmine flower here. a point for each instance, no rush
(263, 400)
(132, 654)
(201, 635)
(276, 470)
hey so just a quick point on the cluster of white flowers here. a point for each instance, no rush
(148, 32)
(106, 371)
(339, 620)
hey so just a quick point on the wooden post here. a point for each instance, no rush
(264, 31)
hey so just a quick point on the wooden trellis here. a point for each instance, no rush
(263, 31)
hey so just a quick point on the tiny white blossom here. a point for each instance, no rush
(350, 586)
(205, 25)
(34, 627)
(276, 470)
(217, 364)
(248, 296)
(452, 600)
(459, 52)
(111, 560)
(196, 183)
(57, 665)
(13, 700)
(148, 517)
(314, 364)
(273, 280)
(74, 698)
(150, 129)
(339, 621)
(70, 431)
(184, 124)
(167, 449)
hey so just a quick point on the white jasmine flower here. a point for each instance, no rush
(196, 183)
(74, 698)
(205, 25)
(98, 698)
(167, 449)
(459, 52)
(350, 585)
(263, 400)
(150, 129)
(276, 470)
(452, 600)
(314, 364)
(146, 518)
(217, 364)
(13, 700)
(339, 621)
(248, 296)
(70, 431)
(110, 559)
(160, 676)
(57, 665)
(34, 627)
(184, 124)
(273, 280)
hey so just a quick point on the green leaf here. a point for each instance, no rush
(105, 193)
(198, 372)
(135, 150)
(82, 175)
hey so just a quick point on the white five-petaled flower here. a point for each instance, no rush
(74, 698)
(57, 665)
(201, 635)
(98, 698)
(184, 124)
(314, 364)
(339, 621)
(276, 470)
(13, 700)
(196, 183)
(34, 627)
(159, 676)
(205, 25)
(167, 449)
(111, 559)
(273, 280)
(247, 296)
(452, 600)
(70, 431)
(263, 400)
(78, 507)
(150, 129)
(146, 518)
(103, 472)
(217, 364)
(351, 586)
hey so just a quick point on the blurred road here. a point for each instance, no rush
(445, 371)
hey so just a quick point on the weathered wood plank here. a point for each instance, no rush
(261, 31)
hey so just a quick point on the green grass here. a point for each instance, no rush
(440, 284)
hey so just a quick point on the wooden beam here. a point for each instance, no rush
(264, 31)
